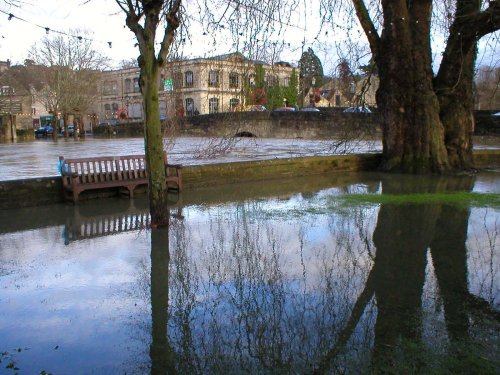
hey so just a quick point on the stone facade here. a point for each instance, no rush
(189, 87)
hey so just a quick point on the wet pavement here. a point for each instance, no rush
(284, 279)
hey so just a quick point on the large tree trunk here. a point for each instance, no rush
(153, 141)
(413, 134)
(453, 85)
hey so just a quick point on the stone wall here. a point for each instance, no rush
(46, 191)
(486, 123)
(43, 191)
(311, 125)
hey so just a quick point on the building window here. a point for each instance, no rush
(286, 81)
(234, 80)
(337, 101)
(8, 90)
(271, 80)
(128, 85)
(188, 79)
(110, 87)
(213, 105)
(233, 104)
(107, 111)
(135, 110)
(178, 80)
(189, 107)
(213, 78)
(137, 86)
(251, 80)
(163, 110)
(114, 108)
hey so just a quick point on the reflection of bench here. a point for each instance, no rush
(102, 172)
(112, 220)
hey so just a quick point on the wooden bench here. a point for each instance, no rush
(101, 172)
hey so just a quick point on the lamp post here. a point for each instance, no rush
(285, 102)
(313, 83)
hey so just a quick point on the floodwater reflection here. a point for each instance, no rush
(288, 282)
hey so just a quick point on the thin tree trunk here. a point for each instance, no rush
(153, 142)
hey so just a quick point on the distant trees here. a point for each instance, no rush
(346, 80)
(290, 92)
(70, 70)
(311, 69)
(272, 94)
(488, 87)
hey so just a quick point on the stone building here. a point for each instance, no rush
(333, 93)
(188, 87)
(19, 94)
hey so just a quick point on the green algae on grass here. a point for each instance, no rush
(460, 198)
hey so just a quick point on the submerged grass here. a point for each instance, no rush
(461, 198)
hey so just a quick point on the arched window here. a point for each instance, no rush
(189, 107)
(233, 104)
(188, 79)
(213, 105)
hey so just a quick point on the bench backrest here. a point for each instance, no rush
(105, 168)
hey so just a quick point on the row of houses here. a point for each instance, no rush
(187, 88)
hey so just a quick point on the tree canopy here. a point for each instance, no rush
(310, 68)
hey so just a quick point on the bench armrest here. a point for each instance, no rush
(178, 166)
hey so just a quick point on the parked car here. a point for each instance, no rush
(284, 109)
(257, 108)
(71, 130)
(107, 123)
(44, 131)
(309, 109)
(358, 109)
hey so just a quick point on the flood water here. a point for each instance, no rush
(40, 158)
(293, 277)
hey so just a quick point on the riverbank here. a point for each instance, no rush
(48, 190)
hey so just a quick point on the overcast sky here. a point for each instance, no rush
(105, 20)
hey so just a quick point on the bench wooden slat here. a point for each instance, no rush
(96, 171)
(126, 171)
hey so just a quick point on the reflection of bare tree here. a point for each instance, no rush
(244, 291)
(161, 353)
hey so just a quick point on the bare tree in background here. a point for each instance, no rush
(70, 68)
(488, 87)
